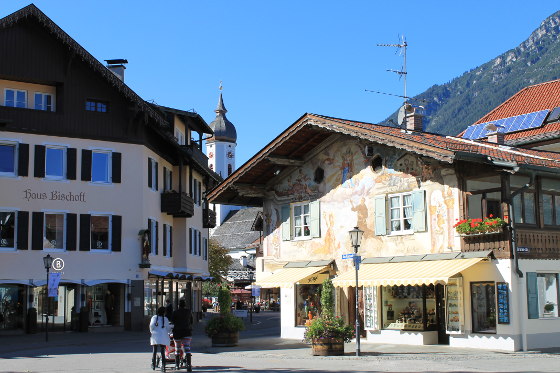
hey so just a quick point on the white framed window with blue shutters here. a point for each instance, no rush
(8, 158)
(542, 295)
(400, 213)
(301, 221)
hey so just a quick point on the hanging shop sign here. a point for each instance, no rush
(503, 303)
(54, 280)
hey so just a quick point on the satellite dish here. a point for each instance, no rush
(403, 112)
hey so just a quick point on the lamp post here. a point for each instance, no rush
(47, 261)
(252, 298)
(355, 239)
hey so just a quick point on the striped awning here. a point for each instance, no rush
(405, 273)
(288, 277)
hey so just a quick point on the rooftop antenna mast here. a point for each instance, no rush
(402, 73)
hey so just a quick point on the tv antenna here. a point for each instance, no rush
(401, 47)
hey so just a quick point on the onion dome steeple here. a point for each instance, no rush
(223, 129)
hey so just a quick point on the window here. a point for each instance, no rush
(167, 240)
(7, 229)
(100, 232)
(205, 255)
(524, 203)
(191, 240)
(153, 236)
(8, 159)
(542, 295)
(152, 174)
(101, 166)
(400, 212)
(167, 180)
(229, 169)
(308, 302)
(43, 101)
(409, 307)
(53, 232)
(551, 201)
(179, 137)
(301, 220)
(95, 105)
(15, 98)
(197, 191)
(484, 197)
(55, 165)
(483, 302)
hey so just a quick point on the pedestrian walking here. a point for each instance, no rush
(160, 328)
(168, 309)
(182, 334)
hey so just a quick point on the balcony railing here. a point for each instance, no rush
(196, 154)
(499, 243)
(538, 244)
(208, 218)
(177, 204)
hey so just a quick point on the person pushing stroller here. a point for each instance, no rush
(182, 333)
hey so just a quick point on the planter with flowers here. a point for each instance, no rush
(328, 333)
(476, 227)
(224, 329)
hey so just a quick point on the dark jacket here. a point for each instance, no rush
(182, 323)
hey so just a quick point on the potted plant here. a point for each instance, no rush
(327, 333)
(487, 225)
(549, 307)
(224, 328)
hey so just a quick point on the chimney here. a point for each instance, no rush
(414, 120)
(494, 135)
(117, 67)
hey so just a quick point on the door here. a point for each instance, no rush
(443, 337)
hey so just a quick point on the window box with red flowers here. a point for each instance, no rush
(475, 227)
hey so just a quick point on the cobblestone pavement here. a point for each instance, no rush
(260, 350)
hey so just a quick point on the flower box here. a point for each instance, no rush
(478, 227)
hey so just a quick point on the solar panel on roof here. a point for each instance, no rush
(507, 125)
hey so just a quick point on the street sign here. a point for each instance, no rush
(58, 264)
(348, 256)
(357, 261)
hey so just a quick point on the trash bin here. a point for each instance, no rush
(31, 324)
(84, 320)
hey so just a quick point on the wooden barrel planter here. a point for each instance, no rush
(225, 339)
(327, 347)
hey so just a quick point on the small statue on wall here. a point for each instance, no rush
(146, 246)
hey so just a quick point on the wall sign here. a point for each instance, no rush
(503, 302)
(54, 195)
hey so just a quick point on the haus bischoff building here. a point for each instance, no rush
(94, 175)
(420, 281)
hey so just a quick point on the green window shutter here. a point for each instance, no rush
(314, 219)
(286, 226)
(380, 218)
(419, 211)
(532, 296)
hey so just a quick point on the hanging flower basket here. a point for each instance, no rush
(478, 227)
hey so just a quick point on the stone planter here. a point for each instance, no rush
(225, 339)
(327, 347)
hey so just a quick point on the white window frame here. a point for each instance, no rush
(541, 306)
(109, 239)
(15, 97)
(13, 248)
(153, 237)
(402, 217)
(15, 145)
(179, 136)
(43, 105)
(167, 229)
(64, 229)
(293, 227)
(109, 165)
(64, 165)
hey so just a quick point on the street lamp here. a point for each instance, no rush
(47, 261)
(355, 239)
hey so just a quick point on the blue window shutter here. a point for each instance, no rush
(532, 296)
(314, 219)
(286, 226)
(380, 218)
(419, 211)
(190, 241)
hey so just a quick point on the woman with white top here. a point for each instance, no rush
(160, 328)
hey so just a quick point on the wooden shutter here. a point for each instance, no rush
(170, 180)
(22, 230)
(380, 218)
(116, 167)
(85, 232)
(170, 241)
(116, 232)
(86, 165)
(71, 231)
(532, 295)
(190, 241)
(71, 163)
(23, 160)
(198, 243)
(205, 249)
(286, 224)
(37, 219)
(157, 176)
(199, 192)
(419, 211)
(39, 161)
(165, 186)
(157, 238)
(150, 174)
(314, 219)
(164, 233)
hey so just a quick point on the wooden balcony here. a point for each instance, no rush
(180, 205)
(499, 243)
(208, 218)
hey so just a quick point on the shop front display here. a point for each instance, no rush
(11, 306)
(308, 304)
(454, 303)
(409, 307)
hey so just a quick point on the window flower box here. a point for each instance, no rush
(478, 227)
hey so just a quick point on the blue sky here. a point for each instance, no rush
(281, 59)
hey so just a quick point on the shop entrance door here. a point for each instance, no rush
(443, 337)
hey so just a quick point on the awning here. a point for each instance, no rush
(106, 281)
(287, 277)
(405, 273)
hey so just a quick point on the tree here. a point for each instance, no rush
(218, 261)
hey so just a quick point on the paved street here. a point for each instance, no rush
(260, 350)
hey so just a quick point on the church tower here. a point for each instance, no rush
(220, 149)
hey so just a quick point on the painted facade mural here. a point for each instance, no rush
(347, 198)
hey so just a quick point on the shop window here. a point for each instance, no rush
(55, 165)
(301, 221)
(308, 303)
(8, 159)
(483, 303)
(11, 306)
(54, 231)
(15, 98)
(551, 201)
(7, 230)
(402, 213)
(44, 101)
(524, 211)
(542, 295)
(101, 166)
(100, 232)
(409, 307)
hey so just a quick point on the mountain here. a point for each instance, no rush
(451, 107)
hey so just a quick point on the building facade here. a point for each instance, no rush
(92, 174)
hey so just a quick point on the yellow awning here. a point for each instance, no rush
(405, 273)
(287, 277)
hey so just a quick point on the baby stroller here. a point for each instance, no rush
(174, 354)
